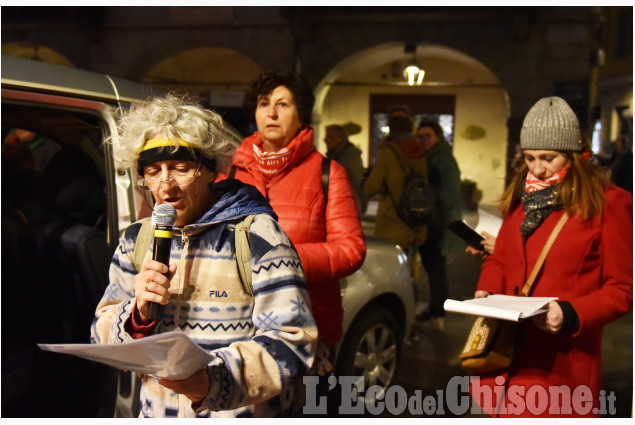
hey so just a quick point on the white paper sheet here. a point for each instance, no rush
(488, 222)
(171, 355)
(504, 307)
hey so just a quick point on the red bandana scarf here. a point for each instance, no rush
(533, 183)
(269, 163)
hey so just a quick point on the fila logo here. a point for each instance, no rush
(218, 294)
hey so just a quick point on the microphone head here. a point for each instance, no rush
(163, 215)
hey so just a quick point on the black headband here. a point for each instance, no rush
(166, 153)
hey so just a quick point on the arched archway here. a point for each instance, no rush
(481, 104)
(219, 75)
(40, 53)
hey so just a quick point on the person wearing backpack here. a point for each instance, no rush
(259, 328)
(445, 178)
(281, 161)
(398, 153)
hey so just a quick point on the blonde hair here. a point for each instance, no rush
(581, 190)
(170, 117)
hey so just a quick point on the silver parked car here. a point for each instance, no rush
(61, 225)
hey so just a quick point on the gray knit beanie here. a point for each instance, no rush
(551, 125)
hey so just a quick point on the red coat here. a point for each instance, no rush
(590, 265)
(330, 245)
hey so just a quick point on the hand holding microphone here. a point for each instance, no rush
(153, 280)
(163, 218)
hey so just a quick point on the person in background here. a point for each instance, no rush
(387, 178)
(621, 163)
(29, 150)
(341, 150)
(260, 343)
(281, 161)
(589, 267)
(445, 178)
(398, 111)
(61, 179)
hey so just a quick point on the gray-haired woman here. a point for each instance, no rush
(260, 343)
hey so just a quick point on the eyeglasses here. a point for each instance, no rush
(178, 177)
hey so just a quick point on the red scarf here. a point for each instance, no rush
(411, 149)
(533, 183)
(269, 163)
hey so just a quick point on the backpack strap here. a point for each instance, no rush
(405, 165)
(326, 173)
(142, 244)
(243, 253)
(405, 168)
(232, 172)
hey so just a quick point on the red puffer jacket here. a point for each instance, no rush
(330, 244)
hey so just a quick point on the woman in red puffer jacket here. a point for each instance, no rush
(281, 161)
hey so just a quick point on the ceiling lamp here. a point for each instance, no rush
(413, 72)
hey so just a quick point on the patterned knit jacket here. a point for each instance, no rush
(261, 345)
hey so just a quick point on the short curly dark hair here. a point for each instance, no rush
(432, 125)
(297, 84)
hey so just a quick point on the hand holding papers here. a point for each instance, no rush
(172, 355)
(503, 307)
(488, 223)
(473, 236)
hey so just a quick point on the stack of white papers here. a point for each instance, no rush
(172, 355)
(505, 307)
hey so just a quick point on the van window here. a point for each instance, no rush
(55, 258)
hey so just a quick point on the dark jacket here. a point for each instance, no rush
(350, 157)
(445, 177)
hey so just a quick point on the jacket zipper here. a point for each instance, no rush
(177, 313)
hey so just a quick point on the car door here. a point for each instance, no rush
(60, 225)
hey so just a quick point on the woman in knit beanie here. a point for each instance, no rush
(589, 268)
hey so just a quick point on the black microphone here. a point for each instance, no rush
(163, 218)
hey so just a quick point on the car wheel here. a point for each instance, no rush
(371, 347)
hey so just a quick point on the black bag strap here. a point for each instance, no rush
(326, 173)
(400, 159)
(232, 172)
(405, 166)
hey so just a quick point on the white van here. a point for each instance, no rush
(61, 224)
